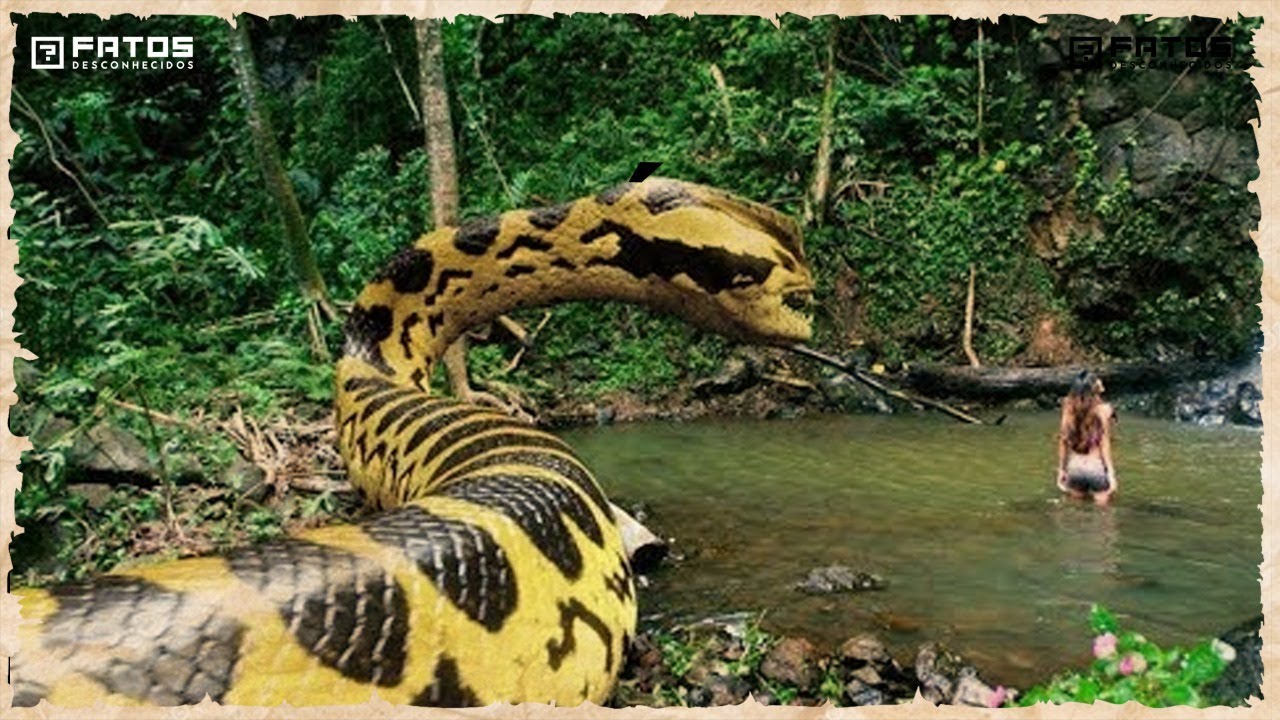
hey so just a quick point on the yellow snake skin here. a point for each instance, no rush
(495, 570)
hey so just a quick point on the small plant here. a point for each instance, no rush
(1127, 667)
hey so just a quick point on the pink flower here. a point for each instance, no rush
(1104, 646)
(998, 696)
(1132, 664)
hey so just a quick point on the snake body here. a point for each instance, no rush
(495, 570)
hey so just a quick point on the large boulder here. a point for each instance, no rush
(1243, 677)
(793, 661)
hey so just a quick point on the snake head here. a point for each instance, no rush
(768, 296)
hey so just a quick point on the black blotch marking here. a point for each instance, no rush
(549, 218)
(517, 270)
(664, 197)
(606, 227)
(614, 194)
(620, 584)
(345, 609)
(528, 242)
(477, 236)
(161, 647)
(714, 269)
(405, 327)
(526, 449)
(446, 277)
(644, 170)
(538, 505)
(562, 263)
(448, 689)
(366, 327)
(491, 288)
(409, 271)
(416, 376)
(434, 322)
(463, 560)
(570, 612)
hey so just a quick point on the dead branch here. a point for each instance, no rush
(916, 401)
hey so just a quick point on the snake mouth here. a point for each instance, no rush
(800, 300)
(799, 304)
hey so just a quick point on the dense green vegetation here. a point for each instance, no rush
(156, 276)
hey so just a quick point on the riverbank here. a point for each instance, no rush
(770, 383)
(727, 659)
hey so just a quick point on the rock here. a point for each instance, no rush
(737, 374)
(863, 650)
(246, 478)
(185, 467)
(109, 452)
(868, 675)
(844, 393)
(936, 672)
(792, 661)
(838, 578)
(1247, 408)
(722, 690)
(605, 415)
(1227, 155)
(50, 432)
(1242, 678)
(972, 691)
(859, 693)
(1152, 151)
(1105, 101)
(96, 495)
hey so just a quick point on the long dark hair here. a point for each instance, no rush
(1079, 412)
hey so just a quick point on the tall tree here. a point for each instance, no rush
(437, 125)
(443, 166)
(297, 237)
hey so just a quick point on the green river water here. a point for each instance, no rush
(979, 549)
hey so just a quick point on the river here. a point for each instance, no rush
(979, 549)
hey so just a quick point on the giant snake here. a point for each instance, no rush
(494, 570)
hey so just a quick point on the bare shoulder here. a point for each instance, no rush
(1106, 412)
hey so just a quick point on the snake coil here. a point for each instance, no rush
(495, 571)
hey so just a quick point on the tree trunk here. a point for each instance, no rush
(820, 190)
(442, 166)
(437, 124)
(297, 238)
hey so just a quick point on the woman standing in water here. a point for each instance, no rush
(1085, 467)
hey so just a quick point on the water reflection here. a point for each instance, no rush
(979, 548)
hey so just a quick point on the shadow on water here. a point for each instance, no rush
(979, 549)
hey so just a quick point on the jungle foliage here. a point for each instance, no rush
(155, 271)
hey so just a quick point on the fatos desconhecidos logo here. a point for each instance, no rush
(130, 52)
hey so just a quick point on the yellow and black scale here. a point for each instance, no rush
(495, 571)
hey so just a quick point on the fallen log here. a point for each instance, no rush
(997, 383)
(644, 548)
